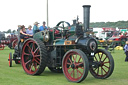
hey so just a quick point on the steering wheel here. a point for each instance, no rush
(46, 35)
(62, 25)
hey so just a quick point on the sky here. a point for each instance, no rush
(26, 12)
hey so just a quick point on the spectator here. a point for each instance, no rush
(23, 32)
(35, 28)
(29, 30)
(43, 27)
(18, 31)
(126, 51)
(121, 34)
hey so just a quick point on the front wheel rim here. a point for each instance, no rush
(105, 65)
(74, 67)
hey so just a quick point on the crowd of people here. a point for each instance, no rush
(30, 32)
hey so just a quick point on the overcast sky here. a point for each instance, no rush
(26, 12)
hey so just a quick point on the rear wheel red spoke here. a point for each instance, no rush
(36, 49)
(27, 62)
(36, 56)
(69, 68)
(29, 48)
(37, 52)
(37, 61)
(33, 45)
(26, 53)
(68, 63)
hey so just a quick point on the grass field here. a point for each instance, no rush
(16, 75)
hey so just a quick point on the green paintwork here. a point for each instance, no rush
(51, 35)
(72, 30)
(59, 42)
(38, 35)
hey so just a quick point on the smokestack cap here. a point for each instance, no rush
(86, 5)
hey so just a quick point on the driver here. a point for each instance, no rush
(43, 27)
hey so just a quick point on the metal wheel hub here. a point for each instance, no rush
(31, 56)
(73, 66)
(101, 63)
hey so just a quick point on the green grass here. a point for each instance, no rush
(16, 75)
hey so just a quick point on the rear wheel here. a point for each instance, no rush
(34, 57)
(14, 43)
(75, 65)
(104, 64)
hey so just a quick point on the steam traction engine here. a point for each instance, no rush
(10, 41)
(66, 49)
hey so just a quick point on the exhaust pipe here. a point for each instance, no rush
(86, 15)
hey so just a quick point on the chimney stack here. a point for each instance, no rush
(86, 15)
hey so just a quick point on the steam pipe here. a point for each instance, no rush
(86, 15)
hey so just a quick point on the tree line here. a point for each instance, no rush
(9, 31)
(119, 24)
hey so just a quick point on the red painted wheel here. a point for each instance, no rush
(14, 43)
(2, 46)
(10, 59)
(75, 65)
(104, 64)
(34, 57)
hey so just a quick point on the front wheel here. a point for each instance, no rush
(75, 65)
(104, 64)
(10, 59)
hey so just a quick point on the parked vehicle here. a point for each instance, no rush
(64, 49)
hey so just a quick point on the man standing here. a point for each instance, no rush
(126, 51)
(43, 27)
(35, 28)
